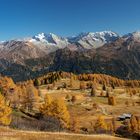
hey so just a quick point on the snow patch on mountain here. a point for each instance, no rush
(133, 36)
(94, 40)
(87, 40)
(50, 40)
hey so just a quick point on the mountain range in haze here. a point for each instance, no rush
(100, 52)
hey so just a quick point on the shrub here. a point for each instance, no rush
(102, 93)
(107, 93)
(111, 100)
(82, 86)
(73, 99)
(93, 92)
(37, 82)
(100, 125)
(45, 123)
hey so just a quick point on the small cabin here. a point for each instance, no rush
(124, 117)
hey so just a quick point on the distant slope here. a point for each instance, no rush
(120, 58)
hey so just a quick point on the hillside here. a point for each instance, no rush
(88, 104)
(120, 59)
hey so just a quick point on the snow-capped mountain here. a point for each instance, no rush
(86, 40)
(94, 40)
(133, 36)
(96, 52)
(49, 40)
(42, 44)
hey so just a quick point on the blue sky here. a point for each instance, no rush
(22, 18)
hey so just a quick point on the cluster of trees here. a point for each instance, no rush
(9, 90)
(53, 77)
(56, 108)
(134, 124)
(132, 83)
(25, 96)
(30, 97)
(132, 91)
(21, 95)
(101, 79)
(93, 93)
(86, 80)
(109, 80)
(5, 111)
(103, 126)
(130, 127)
(48, 79)
(6, 85)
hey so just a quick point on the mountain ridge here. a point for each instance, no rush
(119, 57)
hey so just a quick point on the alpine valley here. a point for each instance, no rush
(100, 52)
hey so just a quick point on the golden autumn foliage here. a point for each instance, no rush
(31, 97)
(28, 96)
(107, 93)
(5, 112)
(73, 99)
(74, 125)
(71, 81)
(111, 100)
(6, 84)
(100, 124)
(59, 110)
(82, 85)
(93, 92)
(49, 78)
(108, 80)
(56, 108)
(101, 79)
(134, 124)
(45, 108)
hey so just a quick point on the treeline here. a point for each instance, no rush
(47, 79)
(25, 97)
(108, 80)
(102, 79)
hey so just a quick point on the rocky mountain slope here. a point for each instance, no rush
(42, 44)
(94, 40)
(100, 52)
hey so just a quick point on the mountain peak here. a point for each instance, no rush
(94, 39)
(40, 36)
(133, 36)
(49, 39)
